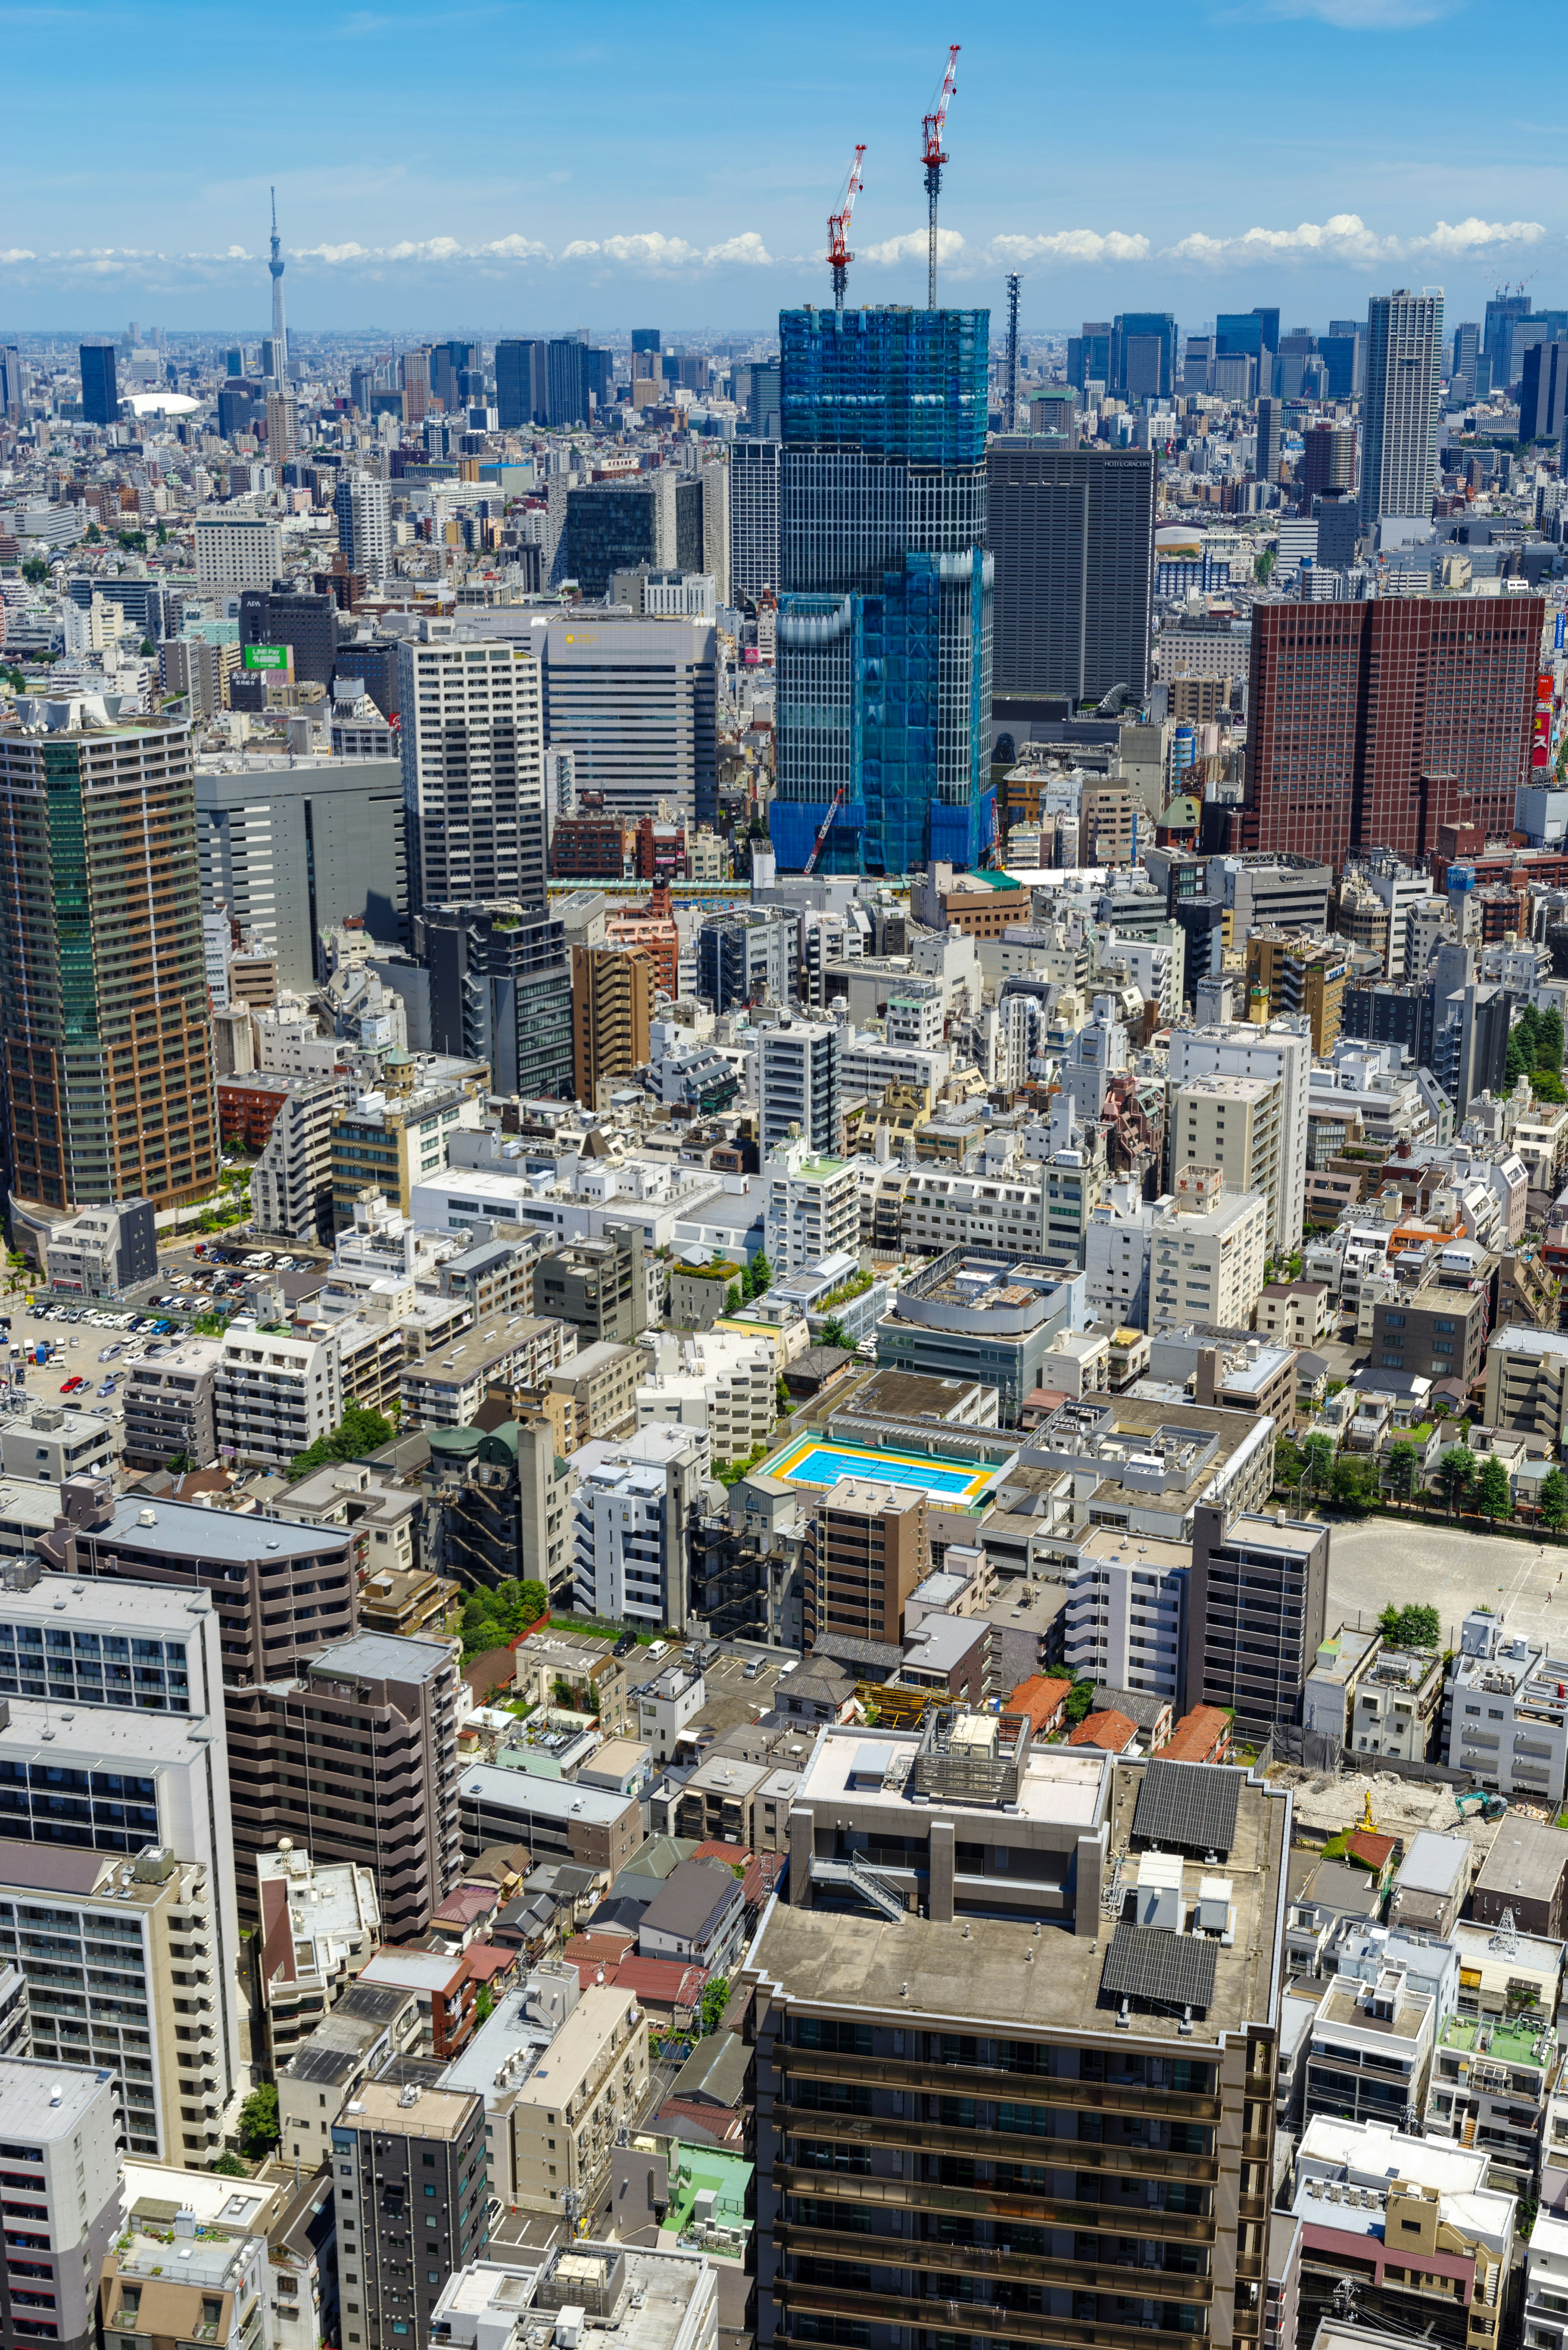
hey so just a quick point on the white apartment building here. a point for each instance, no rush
(813, 1206)
(799, 1080)
(1230, 1122)
(1125, 1621)
(1206, 1254)
(870, 1063)
(1281, 1052)
(291, 1184)
(275, 1393)
(473, 713)
(234, 551)
(62, 2126)
(943, 1208)
(1157, 966)
(628, 1535)
(1509, 1719)
(916, 1020)
(719, 1382)
(1117, 1245)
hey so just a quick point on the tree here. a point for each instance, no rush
(1547, 1085)
(1353, 1482)
(715, 1999)
(1403, 1461)
(1318, 1454)
(34, 570)
(1456, 1475)
(758, 1277)
(360, 1430)
(834, 1334)
(259, 2126)
(1288, 1461)
(94, 536)
(1554, 1499)
(1527, 1028)
(733, 1298)
(1516, 1065)
(1411, 1626)
(1493, 1498)
(149, 649)
(1080, 1701)
(229, 2166)
(1549, 1039)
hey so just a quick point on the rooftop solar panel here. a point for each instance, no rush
(1149, 1962)
(1189, 1807)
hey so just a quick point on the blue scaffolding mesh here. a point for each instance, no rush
(898, 383)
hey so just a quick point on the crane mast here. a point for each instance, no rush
(934, 125)
(838, 253)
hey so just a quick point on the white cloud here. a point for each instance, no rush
(914, 246)
(13, 254)
(1070, 245)
(747, 249)
(1345, 237)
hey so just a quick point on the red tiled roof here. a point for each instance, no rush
(1197, 1735)
(664, 1984)
(467, 1902)
(485, 1961)
(1041, 1697)
(1110, 1730)
(708, 2124)
(1376, 1851)
(603, 1947)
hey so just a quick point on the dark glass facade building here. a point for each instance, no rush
(101, 393)
(885, 620)
(501, 991)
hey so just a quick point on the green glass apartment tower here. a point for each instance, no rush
(107, 1054)
(883, 630)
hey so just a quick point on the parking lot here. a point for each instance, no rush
(1383, 1561)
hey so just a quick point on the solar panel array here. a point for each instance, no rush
(1150, 1962)
(1189, 1807)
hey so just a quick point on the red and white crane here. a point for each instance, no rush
(820, 843)
(934, 125)
(838, 253)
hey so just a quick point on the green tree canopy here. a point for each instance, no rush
(1547, 1085)
(1080, 1701)
(758, 1276)
(834, 1334)
(1353, 1483)
(715, 1999)
(1414, 1626)
(1517, 1064)
(259, 2126)
(1403, 1461)
(1456, 1475)
(1493, 1498)
(1554, 1498)
(1549, 1039)
(360, 1430)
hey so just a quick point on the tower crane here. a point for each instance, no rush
(839, 255)
(934, 125)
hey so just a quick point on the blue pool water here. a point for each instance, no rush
(825, 1462)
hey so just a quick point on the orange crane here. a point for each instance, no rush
(933, 127)
(820, 843)
(839, 255)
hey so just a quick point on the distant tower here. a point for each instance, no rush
(279, 331)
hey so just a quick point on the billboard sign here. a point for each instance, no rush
(265, 657)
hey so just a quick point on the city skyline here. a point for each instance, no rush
(629, 182)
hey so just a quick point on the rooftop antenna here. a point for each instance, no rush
(839, 255)
(933, 126)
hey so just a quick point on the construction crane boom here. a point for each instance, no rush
(838, 253)
(820, 843)
(934, 124)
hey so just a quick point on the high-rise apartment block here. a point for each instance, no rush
(1400, 428)
(1369, 725)
(63, 2125)
(501, 992)
(635, 703)
(413, 2205)
(1256, 1612)
(363, 511)
(103, 992)
(1071, 534)
(612, 1008)
(867, 1550)
(1328, 463)
(521, 386)
(754, 518)
(473, 774)
(101, 393)
(799, 1083)
(884, 618)
(1036, 2099)
(234, 551)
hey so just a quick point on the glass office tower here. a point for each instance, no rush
(885, 614)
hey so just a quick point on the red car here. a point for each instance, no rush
(69, 1387)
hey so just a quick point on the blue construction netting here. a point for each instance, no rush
(898, 383)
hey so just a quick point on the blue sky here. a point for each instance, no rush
(490, 167)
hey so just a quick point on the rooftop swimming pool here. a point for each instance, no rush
(823, 1465)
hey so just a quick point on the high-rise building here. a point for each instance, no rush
(363, 510)
(799, 1083)
(522, 388)
(1328, 463)
(64, 2127)
(884, 618)
(1399, 413)
(282, 427)
(1071, 536)
(636, 702)
(1334, 762)
(747, 956)
(1341, 351)
(567, 399)
(473, 772)
(612, 1008)
(1089, 355)
(1143, 355)
(1256, 1612)
(278, 366)
(1543, 391)
(1281, 1052)
(753, 519)
(100, 395)
(646, 339)
(1269, 425)
(307, 623)
(649, 519)
(1463, 353)
(953, 1978)
(866, 1551)
(292, 847)
(414, 375)
(234, 551)
(414, 2204)
(452, 371)
(1503, 313)
(501, 992)
(103, 992)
